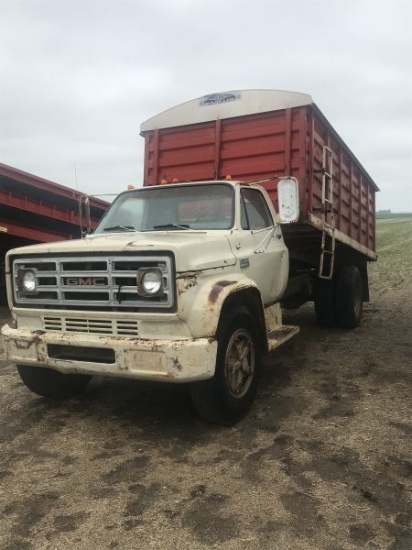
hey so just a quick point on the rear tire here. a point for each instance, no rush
(349, 297)
(325, 303)
(228, 396)
(51, 383)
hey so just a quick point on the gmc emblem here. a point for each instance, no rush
(84, 281)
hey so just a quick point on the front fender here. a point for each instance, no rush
(201, 300)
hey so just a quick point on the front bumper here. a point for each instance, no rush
(158, 360)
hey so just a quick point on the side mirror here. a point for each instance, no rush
(288, 199)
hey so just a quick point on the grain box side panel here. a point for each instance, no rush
(183, 153)
(248, 148)
(253, 147)
(353, 189)
(266, 145)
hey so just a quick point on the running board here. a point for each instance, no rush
(280, 335)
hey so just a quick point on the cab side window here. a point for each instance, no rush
(255, 213)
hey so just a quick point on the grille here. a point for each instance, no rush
(116, 327)
(105, 283)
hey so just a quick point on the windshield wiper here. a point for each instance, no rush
(171, 226)
(120, 228)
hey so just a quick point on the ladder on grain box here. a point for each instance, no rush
(327, 247)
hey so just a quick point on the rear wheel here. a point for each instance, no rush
(51, 383)
(349, 297)
(227, 397)
(325, 306)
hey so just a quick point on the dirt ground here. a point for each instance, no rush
(323, 461)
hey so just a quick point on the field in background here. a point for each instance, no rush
(394, 244)
(392, 215)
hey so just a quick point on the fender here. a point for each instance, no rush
(201, 299)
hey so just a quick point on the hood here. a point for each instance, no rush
(193, 250)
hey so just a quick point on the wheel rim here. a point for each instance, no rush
(239, 363)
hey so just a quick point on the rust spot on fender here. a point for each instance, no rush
(185, 283)
(217, 289)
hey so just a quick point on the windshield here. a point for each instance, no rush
(204, 206)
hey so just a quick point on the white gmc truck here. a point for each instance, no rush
(184, 282)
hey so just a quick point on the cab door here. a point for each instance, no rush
(259, 245)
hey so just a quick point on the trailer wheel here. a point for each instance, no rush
(51, 383)
(325, 306)
(349, 297)
(227, 397)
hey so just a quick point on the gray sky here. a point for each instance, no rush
(78, 78)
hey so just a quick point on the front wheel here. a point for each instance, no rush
(227, 397)
(51, 383)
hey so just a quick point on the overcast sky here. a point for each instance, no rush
(78, 78)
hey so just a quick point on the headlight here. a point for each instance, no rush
(26, 280)
(149, 282)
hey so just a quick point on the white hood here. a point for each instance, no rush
(193, 250)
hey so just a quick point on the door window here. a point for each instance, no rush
(255, 213)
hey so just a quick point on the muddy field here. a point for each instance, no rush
(323, 462)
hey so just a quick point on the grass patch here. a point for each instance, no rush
(394, 247)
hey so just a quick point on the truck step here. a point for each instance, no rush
(277, 336)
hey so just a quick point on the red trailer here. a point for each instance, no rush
(265, 135)
(35, 210)
(38, 210)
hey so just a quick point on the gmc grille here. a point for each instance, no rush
(98, 283)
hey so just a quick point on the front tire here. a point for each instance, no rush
(228, 396)
(51, 383)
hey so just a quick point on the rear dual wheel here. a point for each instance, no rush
(340, 300)
(349, 297)
(324, 298)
